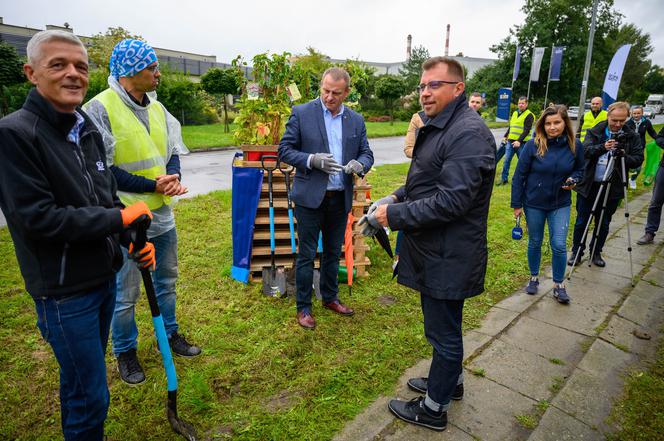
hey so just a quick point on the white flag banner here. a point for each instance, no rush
(614, 75)
(538, 55)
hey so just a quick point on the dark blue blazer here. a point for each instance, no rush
(305, 134)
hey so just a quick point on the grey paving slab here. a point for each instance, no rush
(411, 432)
(368, 424)
(577, 317)
(619, 266)
(605, 360)
(496, 320)
(644, 306)
(420, 369)
(594, 293)
(558, 426)
(551, 342)
(523, 371)
(488, 411)
(659, 262)
(520, 301)
(595, 278)
(615, 250)
(472, 341)
(620, 333)
(655, 276)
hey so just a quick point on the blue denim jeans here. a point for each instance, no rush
(655, 207)
(442, 328)
(330, 219)
(509, 153)
(558, 221)
(129, 281)
(77, 329)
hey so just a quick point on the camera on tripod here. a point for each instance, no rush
(620, 138)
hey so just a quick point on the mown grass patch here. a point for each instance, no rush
(260, 376)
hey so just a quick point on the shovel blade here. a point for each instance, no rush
(182, 427)
(274, 282)
(316, 285)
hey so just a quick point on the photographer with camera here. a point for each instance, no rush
(549, 167)
(608, 138)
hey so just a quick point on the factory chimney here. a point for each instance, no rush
(447, 41)
(409, 42)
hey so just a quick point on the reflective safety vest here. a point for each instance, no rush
(137, 151)
(589, 121)
(516, 125)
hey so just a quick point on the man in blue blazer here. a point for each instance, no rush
(327, 143)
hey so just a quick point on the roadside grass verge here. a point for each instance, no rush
(212, 135)
(260, 375)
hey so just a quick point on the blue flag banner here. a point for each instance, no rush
(517, 63)
(556, 63)
(503, 107)
(614, 75)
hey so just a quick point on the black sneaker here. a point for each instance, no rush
(181, 347)
(129, 368)
(419, 384)
(415, 412)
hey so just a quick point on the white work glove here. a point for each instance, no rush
(326, 163)
(369, 225)
(389, 199)
(353, 166)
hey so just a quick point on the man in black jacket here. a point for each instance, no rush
(608, 139)
(64, 217)
(443, 210)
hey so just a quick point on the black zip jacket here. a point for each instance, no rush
(59, 199)
(593, 149)
(645, 126)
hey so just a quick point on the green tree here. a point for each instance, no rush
(389, 88)
(637, 65)
(309, 68)
(184, 99)
(101, 45)
(412, 68)
(654, 80)
(11, 74)
(220, 83)
(564, 23)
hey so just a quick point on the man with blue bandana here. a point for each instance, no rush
(143, 143)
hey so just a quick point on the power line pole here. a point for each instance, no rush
(586, 70)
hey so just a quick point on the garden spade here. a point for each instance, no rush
(290, 275)
(139, 238)
(274, 279)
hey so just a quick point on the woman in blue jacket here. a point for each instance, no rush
(550, 165)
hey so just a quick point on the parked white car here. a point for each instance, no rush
(573, 112)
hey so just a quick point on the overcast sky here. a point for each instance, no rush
(371, 30)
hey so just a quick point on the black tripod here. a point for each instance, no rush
(603, 194)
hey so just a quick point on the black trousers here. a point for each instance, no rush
(584, 208)
(330, 219)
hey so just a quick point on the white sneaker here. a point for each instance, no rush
(632, 184)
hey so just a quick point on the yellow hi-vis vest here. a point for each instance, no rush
(589, 121)
(137, 151)
(516, 125)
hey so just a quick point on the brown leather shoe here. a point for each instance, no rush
(306, 320)
(339, 308)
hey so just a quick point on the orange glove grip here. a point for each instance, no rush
(145, 258)
(133, 212)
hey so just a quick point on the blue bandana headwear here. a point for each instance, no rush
(129, 57)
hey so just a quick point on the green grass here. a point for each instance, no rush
(212, 135)
(527, 421)
(640, 413)
(261, 376)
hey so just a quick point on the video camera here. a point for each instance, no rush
(621, 139)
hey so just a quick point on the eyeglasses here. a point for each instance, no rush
(153, 69)
(433, 85)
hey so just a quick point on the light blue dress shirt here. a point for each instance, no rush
(333, 128)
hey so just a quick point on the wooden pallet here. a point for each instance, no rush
(283, 252)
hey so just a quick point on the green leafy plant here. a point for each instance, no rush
(220, 83)
(262, 120)
(11, 74)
